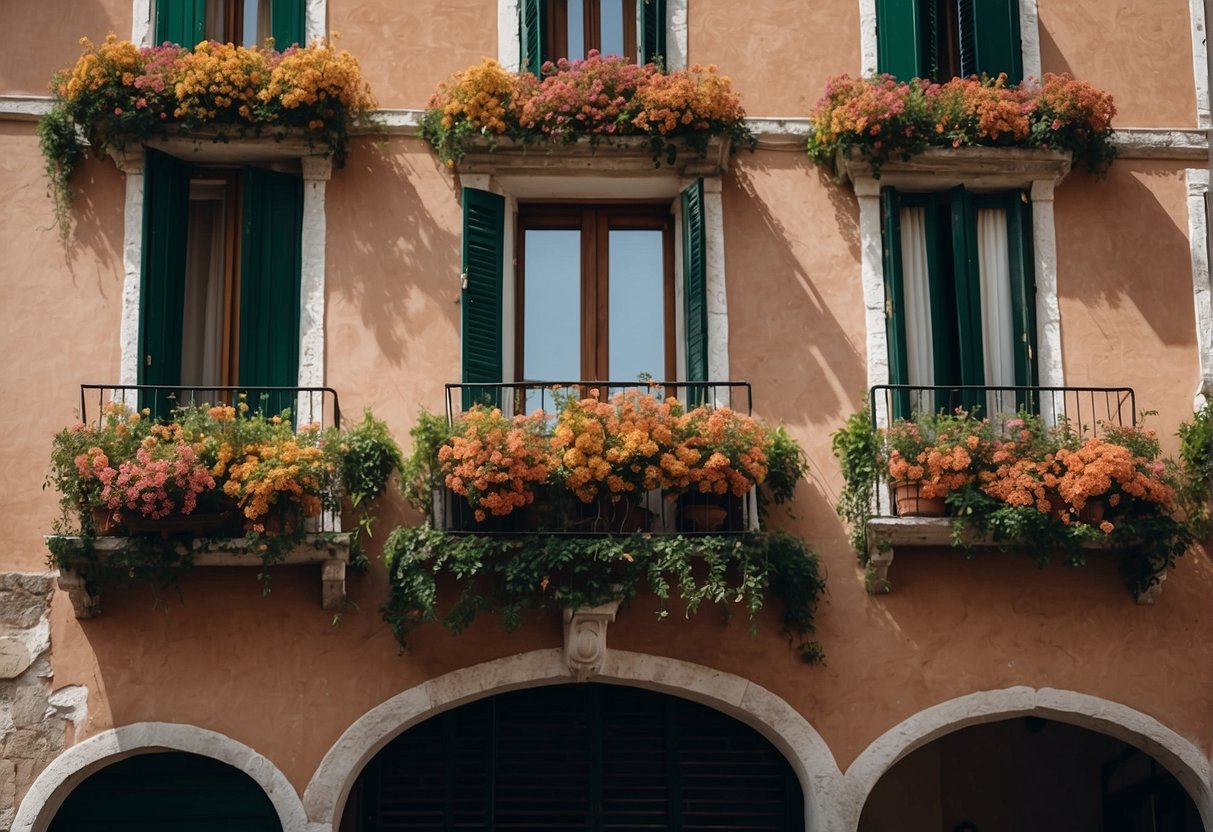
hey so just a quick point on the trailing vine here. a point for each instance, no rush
(511, 575)
(857, 447)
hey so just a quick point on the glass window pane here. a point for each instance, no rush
(611, 26)
(551, 334)
(637, 305)
(576, 30)
(252, 32)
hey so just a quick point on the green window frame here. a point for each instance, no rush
(184, 21)
(483, 263)
(269, 279)
(540, 24)
(941, 39)
(954, 287)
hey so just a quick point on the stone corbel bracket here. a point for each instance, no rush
(585, 629)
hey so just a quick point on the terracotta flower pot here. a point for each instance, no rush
(105, 522)
(908, 502)
(703, 517)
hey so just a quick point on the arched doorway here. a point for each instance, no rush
(1029, 773)
(577, 757)
(167, 790)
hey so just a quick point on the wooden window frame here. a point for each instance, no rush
(556, 38)
(595, 222)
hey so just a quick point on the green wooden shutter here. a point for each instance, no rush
(967, 276)
(894, 300)
(531, 35)
(694, 288)
(271, 259)
(1023, 290)
(899, 32)
(966, 50)
(166, 205)
(652, 30)
(483, 260)
(995, 38)
(287, 23)
(181, 21)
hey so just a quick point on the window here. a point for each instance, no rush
(552, 29)
(943, 39)
(595, 293)
(247, 22)
(220, 292)
(960, 289)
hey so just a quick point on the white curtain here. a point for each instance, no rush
(202, 324)
(916, 296)
(997, 323)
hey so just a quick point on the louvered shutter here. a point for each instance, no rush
(483, 261)
(531, 35)
(270, 272)
(894, 299)
(694, 288)
(1023, 287)
(181, 21)
(162, 293)
(899, 36)
(652, 30)
(994, 35)
(287, 23)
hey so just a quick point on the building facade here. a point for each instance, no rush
(984, 693)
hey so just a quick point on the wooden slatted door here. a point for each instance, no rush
(578, 757)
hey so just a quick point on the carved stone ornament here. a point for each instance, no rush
(585, 630)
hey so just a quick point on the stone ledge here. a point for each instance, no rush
(623, 156)
(330, 550)
(977, 168)
(887, 533)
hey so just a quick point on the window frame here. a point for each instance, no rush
(595, 221)
(556, 35)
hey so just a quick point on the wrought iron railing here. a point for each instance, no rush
(1084, 411)
(308, 405)
(557, 511)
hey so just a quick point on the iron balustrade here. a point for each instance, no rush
(1084, 410)
(308, 405)
(559, 511)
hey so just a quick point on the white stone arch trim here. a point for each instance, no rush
(70, 769)
(1180, 756)
(752, 704)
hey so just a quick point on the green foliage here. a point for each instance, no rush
(63, 153)
(857, 447)
(1196, 457)
(371, 457)
(420, 474)
(787, 465)
(549, 572)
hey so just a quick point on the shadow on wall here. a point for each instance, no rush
(397, 248)
(1051, 59)
(1117, 243)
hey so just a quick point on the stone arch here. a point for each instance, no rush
(70, 768)
(752, 704)
(1144, 732)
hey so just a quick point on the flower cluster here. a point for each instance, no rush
(207, 460)
(598, 98)
(940, 452)
(732, 447)
(117, 94)
(495, 461)
(883, 118)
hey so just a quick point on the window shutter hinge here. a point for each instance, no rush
(147, 359)
(463, 281)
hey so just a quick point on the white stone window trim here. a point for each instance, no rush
(143, 17)
(316, 172)
(509, 49)
(594, 188)
(1200, 62)
(73, 766)
(1197, 181)
(1180, 756)
(806, 751)
(1029, 38)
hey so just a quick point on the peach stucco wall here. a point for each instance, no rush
(218, 655)
(43, 37)
(1140, 51)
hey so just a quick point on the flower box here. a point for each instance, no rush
(939, 168)
(78, 570)
(623, 156)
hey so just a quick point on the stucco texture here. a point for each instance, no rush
(27, 63)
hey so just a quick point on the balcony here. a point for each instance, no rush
(648, 501)
(156, 477)
(1049, 470)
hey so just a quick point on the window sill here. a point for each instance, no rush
(977, 168)
(626, 156)
(330, 550)
(888, 533)
(214, 145)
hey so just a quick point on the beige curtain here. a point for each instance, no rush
(202, 325)
(915, 286)
(997, 323)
